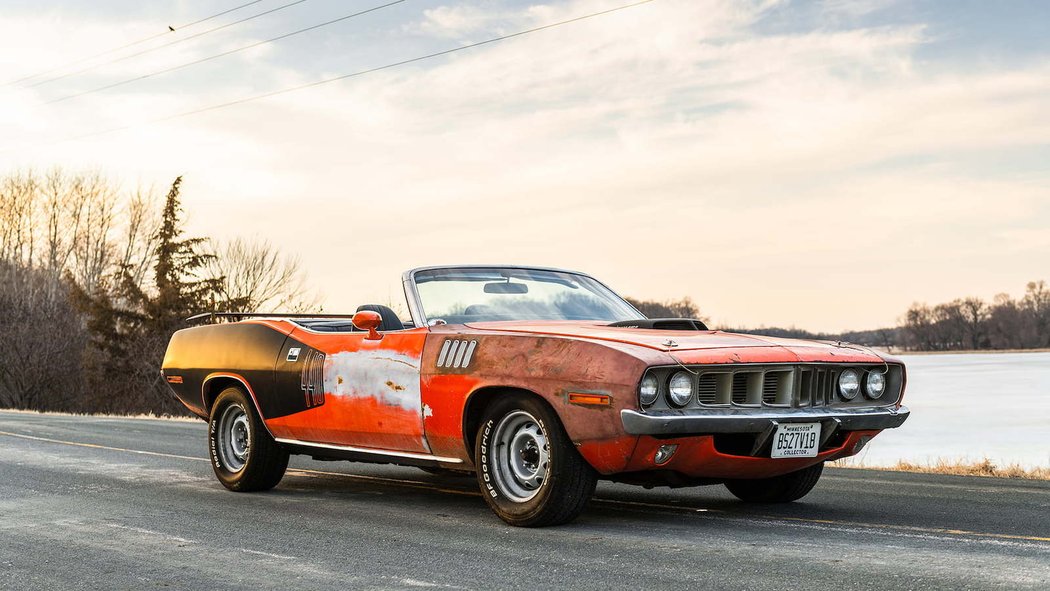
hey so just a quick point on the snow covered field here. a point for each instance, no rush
(971, 407)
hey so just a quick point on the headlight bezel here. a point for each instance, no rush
(648, 379)
(849, 390)
(868, 384)
(681, 377)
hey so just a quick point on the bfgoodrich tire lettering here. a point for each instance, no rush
(529, 472)
(243, 455)
(779, 489)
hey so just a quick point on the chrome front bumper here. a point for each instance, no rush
(711, 421)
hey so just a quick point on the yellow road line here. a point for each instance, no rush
(628, 504)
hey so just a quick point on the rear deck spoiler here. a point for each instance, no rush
(238, 315)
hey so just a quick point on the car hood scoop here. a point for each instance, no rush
(662, 324)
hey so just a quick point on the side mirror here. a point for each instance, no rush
(370, 321)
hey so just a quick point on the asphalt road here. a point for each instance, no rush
(100, 503)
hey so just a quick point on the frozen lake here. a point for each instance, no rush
(971, 407)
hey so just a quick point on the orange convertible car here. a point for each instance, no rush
(540, 381)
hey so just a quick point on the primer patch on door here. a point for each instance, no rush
(391, 378)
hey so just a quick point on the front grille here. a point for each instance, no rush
(739, 393)
(817, 386)
(769, 388)
(707, 392)
(776, 385)
(744, 387)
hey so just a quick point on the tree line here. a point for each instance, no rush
(95, 279)
(964, 324)
(974, 324)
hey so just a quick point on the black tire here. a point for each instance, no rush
(557, 482)
(779, 489)
(244, 456)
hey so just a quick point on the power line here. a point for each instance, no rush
(355, 74)
(223, 54)
(133, 43)
(176, 42)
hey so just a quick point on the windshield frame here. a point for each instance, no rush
(415, 303)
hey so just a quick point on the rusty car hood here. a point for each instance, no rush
(681, 342)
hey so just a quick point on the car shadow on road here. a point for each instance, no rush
(459, 496)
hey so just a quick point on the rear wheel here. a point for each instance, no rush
(779, 489)
(530, 473)
(243, 455)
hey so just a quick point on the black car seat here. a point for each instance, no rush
(390, 319)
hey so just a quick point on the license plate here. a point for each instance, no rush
(796, 440)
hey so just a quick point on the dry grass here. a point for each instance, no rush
(149, 416)
(984, 467)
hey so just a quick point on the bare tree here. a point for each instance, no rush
(41, 342)
(975, 313)
(18, 201)
(93, 254)
(1036, 306)
(255, 275)
(918, 324)
(141, 226)
(1004, 322)
(61, 223)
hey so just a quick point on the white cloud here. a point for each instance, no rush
(458, 21)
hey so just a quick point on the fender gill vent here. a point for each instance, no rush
(313, 378)
(456, 353)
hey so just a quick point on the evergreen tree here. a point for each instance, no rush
(130, 329)
(180, 289)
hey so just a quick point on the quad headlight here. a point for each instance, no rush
(648, 390)
(875, 384)
(849, 384)
(680, 388)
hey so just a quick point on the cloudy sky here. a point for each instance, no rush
(817, 164)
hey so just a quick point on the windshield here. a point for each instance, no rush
(463, 295)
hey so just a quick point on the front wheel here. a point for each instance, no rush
(244, 456)
(779, 489)
(530, 473)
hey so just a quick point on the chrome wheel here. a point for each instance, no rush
(520, 458)
(234, 438)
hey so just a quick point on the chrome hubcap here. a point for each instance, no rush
(520, 458)
(234, 438)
